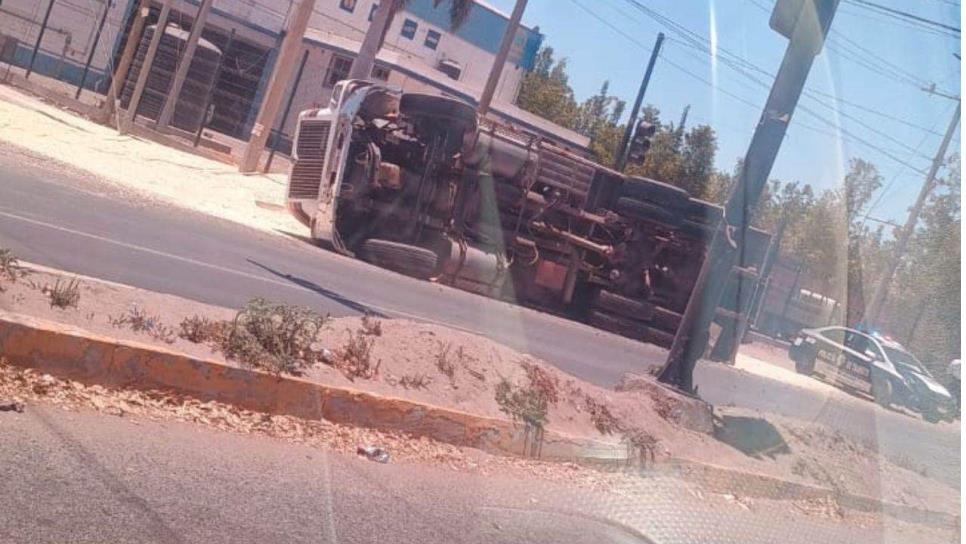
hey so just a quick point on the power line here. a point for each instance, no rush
(903, 14)
(742, 66)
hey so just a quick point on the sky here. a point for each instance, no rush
(865, 85)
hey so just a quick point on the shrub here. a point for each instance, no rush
(371, 325)
(64, 295)
(10, 268)
(139, 320)
(354, 359)
(199, 329)
(274, 337)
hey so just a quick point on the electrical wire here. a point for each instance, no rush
(903, 15)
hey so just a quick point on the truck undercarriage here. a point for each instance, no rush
(417, 184)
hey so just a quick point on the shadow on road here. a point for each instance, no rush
(314, 287)
(752, 436)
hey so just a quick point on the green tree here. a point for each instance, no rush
(545, 90)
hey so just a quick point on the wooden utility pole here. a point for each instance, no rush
(184, 63)
(497, 69)
(621, 159)
(127, 57)
(882, 288)
(281, 74)
(132, 107)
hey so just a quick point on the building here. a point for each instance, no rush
(421, 52)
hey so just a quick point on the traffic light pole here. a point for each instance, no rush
(812, 23)
(621, 159)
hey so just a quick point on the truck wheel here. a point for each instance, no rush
(646, 211)
(615, 324)
(665, 319)
(414, 261)
(805, 364)
(649, 190)
(611, 302)
(881, 389)
(437, 106)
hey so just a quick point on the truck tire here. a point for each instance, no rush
(665, 319)
(659, 193)
(646, 211)
(613, 303)
(616, 324)
(437, 106)
(881, 389)
(414, 261)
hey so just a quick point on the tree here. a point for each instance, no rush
(362, 66)
(545, 90)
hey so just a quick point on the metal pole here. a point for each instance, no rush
(496, 70)
(40, 37)
(277, 83)
(691, 339)
(119, 77)
(621, 159)
(184, 63)
(90, 56)
(159, 28)
(759, 289)
(285, 112)
(211, 91)
(882, 288)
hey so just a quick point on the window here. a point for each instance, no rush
(432, 39)
(409, 29)
(348, 5)
(372, 11)
(380, 72)
(337, 71)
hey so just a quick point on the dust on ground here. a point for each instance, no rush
(453, 369)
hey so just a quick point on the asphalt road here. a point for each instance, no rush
(56, 217)
(88, 477)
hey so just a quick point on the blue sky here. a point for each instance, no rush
(844, 84)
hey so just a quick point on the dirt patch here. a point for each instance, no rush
(453, 369)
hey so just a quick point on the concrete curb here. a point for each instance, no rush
(75, 354)
(725, 480)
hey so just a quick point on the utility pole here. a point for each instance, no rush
(621, 158)
(132, 107)
(882, 288)
(40, 38)
(281, 74)
(805, 23)
(497, 69)
(127, 57)
(184, 63)
(93, 46)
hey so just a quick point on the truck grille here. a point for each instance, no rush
(306, 176)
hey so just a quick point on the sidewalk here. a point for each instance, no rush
(150, 169)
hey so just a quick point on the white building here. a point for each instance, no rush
(421, 52)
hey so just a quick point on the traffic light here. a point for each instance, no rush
(641, 142)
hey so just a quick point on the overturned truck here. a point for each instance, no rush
(419, 184)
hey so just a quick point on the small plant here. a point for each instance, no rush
(371, 326)
(542, 381)
(601, 416)
(354, 359)
(274, 337)
(10, 268)
(139, 320)
(641, 444)
(443, 361)
(414, 381)
(199, 329)
(529, 403)
(63, 295)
